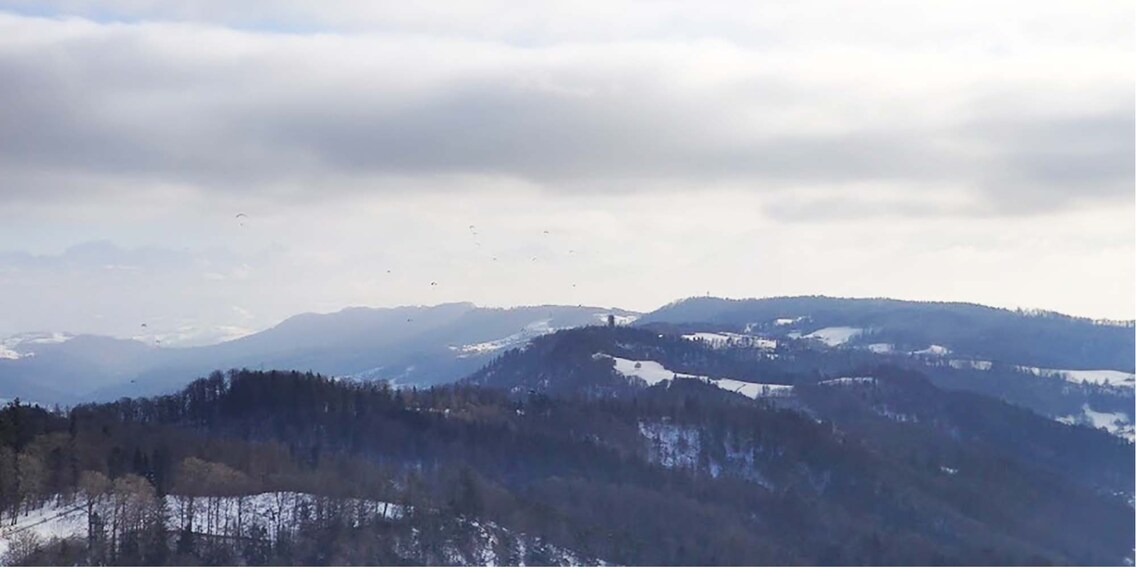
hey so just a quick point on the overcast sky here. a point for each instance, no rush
(606, 153)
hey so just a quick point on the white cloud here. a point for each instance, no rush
(948, 150)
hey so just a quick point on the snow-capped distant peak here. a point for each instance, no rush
(20, 346)
(530, 331)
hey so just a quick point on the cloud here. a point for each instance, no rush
(105, 110)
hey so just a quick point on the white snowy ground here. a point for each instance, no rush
(530, 331)
(833, 336)
(63, 518)
(1116, 423)
(654, 373)
(724, 339)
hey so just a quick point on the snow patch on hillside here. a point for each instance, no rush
(651, 372)
(654, 373)
(283, 511)
(727, 339)
(530, 331)
(970, 364)
(1095, 376)
(670, 445)
(834, 336)
(1116, 423)
(936, 350)
(848, 381)
(619, 320)
(753, 390)
(881, 348)
(57, 518)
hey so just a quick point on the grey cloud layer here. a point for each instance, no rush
(88, 108)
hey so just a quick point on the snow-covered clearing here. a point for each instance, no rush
(1096, 376)
(848, 381)
(654, 373)
(727, 339)
(1116, 423)
(937, 350)
(619, 320)
(833, 336)
(970, 364)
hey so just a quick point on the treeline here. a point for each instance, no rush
(561, 477)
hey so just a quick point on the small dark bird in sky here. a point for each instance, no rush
(143, 325)
(241, 218)
(433, 283)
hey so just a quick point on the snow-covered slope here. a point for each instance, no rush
(833, 336)
(482, 543)
(726, 339)
(654, 373)
(1095, 376)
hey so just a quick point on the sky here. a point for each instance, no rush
(210, 168)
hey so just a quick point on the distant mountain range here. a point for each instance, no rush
(814, 431)
(404, 345)
(1070, 369)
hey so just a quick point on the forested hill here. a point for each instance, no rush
(1042, 339)
(684, 472)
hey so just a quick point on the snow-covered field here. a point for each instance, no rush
(491, 544)
(937, 350)
(654, 373)
(970, 364)
(1116, 423)
(726, 339)
(833, 336)
(1098, 376)
(848, 381)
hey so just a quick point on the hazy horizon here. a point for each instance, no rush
(207, 168)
